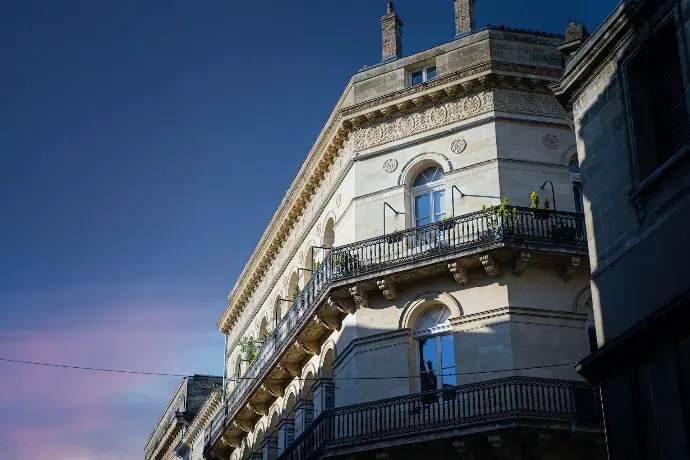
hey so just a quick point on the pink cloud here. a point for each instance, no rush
(63, 413)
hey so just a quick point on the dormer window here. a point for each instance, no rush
(422, 75)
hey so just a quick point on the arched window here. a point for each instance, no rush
(428, 196)
(434, 337)
(574, 170)
(329, 234)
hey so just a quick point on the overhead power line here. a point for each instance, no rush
(163, 374)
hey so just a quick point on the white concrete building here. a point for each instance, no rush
(397, 318)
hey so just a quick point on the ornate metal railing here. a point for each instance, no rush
(448, 408)
(482, 229)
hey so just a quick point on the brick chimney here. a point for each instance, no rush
(391, 35)
(465, 21)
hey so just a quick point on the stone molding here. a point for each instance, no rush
(506, 314)
(203, 417)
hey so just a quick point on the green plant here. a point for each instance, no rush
(535, 201)
(250, 349)
(502, 215)
(265, 333)
(316, 266)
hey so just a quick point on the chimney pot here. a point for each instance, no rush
(465, 20)
(390, 7)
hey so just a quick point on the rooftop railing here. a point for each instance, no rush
(474, 231)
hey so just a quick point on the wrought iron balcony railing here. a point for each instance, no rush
(475, 231)
(453, 407)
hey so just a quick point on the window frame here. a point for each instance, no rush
(428, 189)
(434, 333)
(425, 72)
(640, 182)
(576, 181)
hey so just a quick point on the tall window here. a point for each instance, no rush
(574, 170)
(428, 196)
(434, 338)
(661, 125)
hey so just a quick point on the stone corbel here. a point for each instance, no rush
(292, 369)
(382, 455)
(569, 271)
(521, 264)
(308, 346)
(544, 438)
(490, 265)
(460, 447)
(495, 440)
(361, 298)
(387, 286)
(458, 271)
(342, 307)
(329, 322)
(258, 409)
(275, 389)
(245, 425)
(232, 441)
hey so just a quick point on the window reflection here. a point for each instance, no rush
(436, 357)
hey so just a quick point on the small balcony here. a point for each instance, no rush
(321, 306)
(450, 412)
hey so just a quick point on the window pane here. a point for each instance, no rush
(439, 204)
(422, 207)
(447, 361)
(577, 196)
(417, 77)
(431, 72)
(427, 364)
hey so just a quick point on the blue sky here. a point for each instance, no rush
(144, 147)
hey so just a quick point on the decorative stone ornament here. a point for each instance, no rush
(458, 146)
(551, 141)
(490, 266)
(291, 369)
(387, 287)
(361, 298)
(338, 200)
(459, 272)
(569, 270)
(390, 165)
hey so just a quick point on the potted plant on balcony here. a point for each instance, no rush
(250, 349)
(344, 262)
(541, 213)
(501, 220)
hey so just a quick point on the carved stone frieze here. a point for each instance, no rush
(490, 265)
(573, 264)
(340, 305)
(291, 369)
(273, 388)
(521, 263)
(245, 425)
(387, 286)
(527, 103)
(361, 297)
(329, 322)
(308, 346)
(258, 409)
(458, 271)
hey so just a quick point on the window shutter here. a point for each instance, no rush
(667, 92)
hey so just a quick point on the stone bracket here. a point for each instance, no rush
(490, 265)
(308, 346)
(232, 441)
(275, 389)
(342, 307)
(329, 322)
(258, 409)
(569, 271)
(361, 297)
(292, 369)
(458, 271)
(244, 425)
(387, 286)
(521, 263)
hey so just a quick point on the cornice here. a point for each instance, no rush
(333, 142)
(205, 414)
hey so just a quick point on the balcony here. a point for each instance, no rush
(460, 237)
(504, 400)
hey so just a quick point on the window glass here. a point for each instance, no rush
(428, 364)
(439, 204)
(577, 195)
(431, 73)
(417, 77)
(447, 361)
(422, 209)
(428, 175)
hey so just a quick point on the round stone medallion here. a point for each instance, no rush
(390, 165)
(551, 141)
(458, 146)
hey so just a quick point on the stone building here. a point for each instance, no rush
(192, 393)
(392, 308)
(627, 88)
